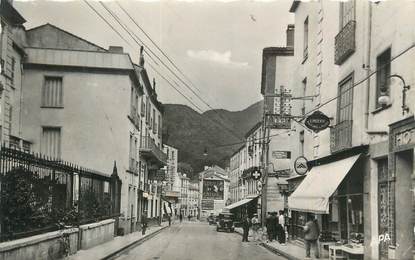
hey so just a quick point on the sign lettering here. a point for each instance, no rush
(404, 138)
(317, 121)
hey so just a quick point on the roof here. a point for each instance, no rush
(294, 6)
(215, 171)
(238, 150)
(272, 52)
(10, 13)
(52, 37)
(253, 129)
(147, 84)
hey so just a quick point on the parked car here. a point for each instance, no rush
(225, 222)
(212, 220)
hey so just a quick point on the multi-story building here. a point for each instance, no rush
(171, 168)
(358, 73)
(67, 84)
(12, 54)
(214, 190)
(151, 157)
(235, 176)
(172, 190)
(184, 194)
(193, 199)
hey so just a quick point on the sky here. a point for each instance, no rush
(217, 45)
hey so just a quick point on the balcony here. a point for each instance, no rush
(150, 151)
(341, 136)
(345, 43)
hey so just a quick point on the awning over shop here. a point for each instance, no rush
(313, 194)
(240, 203)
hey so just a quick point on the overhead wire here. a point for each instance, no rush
(179, 78)
(336, 97)
(103, 18)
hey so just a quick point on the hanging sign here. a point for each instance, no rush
(317, 121)
(259, 186)
(256, 174)
(300, 165)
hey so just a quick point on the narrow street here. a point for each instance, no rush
(197, 240)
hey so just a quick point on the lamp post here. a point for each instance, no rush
(384, 99)
(205, 154)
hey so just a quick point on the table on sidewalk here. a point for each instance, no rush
(345, 252)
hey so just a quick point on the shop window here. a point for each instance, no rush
(383, 204)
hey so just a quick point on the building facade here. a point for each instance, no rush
(193, 199)
(214, 190)
(355, 74)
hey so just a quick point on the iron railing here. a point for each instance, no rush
(149, 149)
(341, 136)
(344, 43)
(38, 194)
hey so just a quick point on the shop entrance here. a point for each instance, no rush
(404, 204)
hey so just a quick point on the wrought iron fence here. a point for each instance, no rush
(40, 194)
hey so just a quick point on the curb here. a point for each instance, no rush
(132, 244)
(279, 252)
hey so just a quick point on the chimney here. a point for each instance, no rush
(290, 35)
(116, 49)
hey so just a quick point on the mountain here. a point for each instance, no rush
(192, 132)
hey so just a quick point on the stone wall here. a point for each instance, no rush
(96, 233)
(52, 245)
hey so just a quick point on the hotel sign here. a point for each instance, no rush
(317, 121)
(405, 137)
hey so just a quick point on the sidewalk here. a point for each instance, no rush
(118, 244)
(291, 250)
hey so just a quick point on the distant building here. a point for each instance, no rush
(184, 194)
(214, 189)
(193, 199)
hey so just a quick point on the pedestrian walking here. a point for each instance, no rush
(268, 224)
(189, 217)
(281, 228)
(144, 222)
(255, 227)
(274, 226)
(169, 218)
(311, 234)
(181, 217)
(246, 224)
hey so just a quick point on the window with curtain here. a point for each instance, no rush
(51, 141)
(345, 100)
(52, 92)
(347, 12)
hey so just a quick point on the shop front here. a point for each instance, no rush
(332, 192)
(243, 208)
(400, 209)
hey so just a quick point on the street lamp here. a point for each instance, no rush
(384, 99)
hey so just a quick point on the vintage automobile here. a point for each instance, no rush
(225, 222)
(212, 219)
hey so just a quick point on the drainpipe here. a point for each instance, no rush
(368, 66)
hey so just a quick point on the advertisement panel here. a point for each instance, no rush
(213, 189)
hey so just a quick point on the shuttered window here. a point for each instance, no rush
(51, 141)
(52, 92)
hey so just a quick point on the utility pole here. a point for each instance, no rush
(264, 159)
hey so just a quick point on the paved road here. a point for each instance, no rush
(197, 241)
